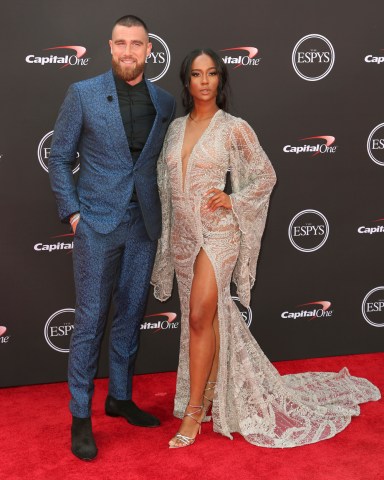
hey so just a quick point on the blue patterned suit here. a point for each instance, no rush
(115, 240)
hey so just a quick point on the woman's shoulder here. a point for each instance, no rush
(235, 120)
(235, 124)
(177, 122)
(173, 130)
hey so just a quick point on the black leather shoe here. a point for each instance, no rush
(83, 443)
(130, 411)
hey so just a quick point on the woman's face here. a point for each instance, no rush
(204, 79)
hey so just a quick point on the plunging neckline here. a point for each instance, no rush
(188, 161)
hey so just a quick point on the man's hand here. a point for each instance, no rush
(74, 220)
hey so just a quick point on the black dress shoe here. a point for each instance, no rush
(83, 443)
(130, 411)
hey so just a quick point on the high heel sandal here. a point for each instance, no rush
(208, 388)
(187, 441)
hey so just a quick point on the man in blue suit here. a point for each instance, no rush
(117, 122)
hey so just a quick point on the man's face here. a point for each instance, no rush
(129, 49)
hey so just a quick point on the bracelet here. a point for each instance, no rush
(74, 218)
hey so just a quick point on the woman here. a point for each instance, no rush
(210, 238)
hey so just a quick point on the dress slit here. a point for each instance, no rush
(250, 397)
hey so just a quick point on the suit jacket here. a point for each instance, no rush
(89, 122)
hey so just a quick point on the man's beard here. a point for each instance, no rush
(127, 73)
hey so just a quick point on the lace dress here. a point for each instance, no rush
(251, 397)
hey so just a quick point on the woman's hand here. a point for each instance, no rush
(218, 199)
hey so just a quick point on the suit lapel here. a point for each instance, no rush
(156, 124)
(114, 120)
(115, 123)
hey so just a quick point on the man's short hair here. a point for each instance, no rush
(131, 21)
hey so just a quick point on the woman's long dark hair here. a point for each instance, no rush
(222, 99)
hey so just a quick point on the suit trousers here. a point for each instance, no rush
(115, 266)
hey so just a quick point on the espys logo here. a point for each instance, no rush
(316, 148)
(44, 149)
(158, 60)
(374, 58)
(310, 311)
(372, 230)
(375, 144)
(56, 246)
(4, 338)
(65, 61)
(308, 230)
(245, 312)
(313, 57)
(58, 329)
(372, 307)
(163, 321)
(241, 60)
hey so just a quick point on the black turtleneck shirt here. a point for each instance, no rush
(138, 114)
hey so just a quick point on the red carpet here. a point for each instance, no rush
(35, 439)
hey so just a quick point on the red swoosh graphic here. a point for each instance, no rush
(252, 52)
(378, 220)
(2, 331)
(170, 316)
(64, 235)
(80, 51)
(325, 304)
(328, 139)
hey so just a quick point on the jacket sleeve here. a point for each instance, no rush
(252, 178)
(163, 271)
(63, 153)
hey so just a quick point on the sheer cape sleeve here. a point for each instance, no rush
(163, 270)
(252, 180)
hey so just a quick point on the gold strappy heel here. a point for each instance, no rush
(187, 441)
(209, 387)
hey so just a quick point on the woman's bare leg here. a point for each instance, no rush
(203, 339)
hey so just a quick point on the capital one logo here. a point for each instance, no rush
(44, 149)
(377, 229)
(313, 57)
(58, 329)
(375, 144)
(376, 59)
(160, 321)
(238, 58)
(65, 60)
(311, 311)
(318, 145)
(372, 307)
(245, 312)
(3, 338)
(57, 246)
(158, 60)
(308, 230)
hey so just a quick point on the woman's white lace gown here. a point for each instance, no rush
(251, 397)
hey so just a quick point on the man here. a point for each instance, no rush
(117, 122)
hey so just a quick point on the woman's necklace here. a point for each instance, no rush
(201, 119)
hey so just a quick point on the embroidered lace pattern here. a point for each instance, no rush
(251, 397)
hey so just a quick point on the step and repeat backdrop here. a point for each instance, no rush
(308, 76)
